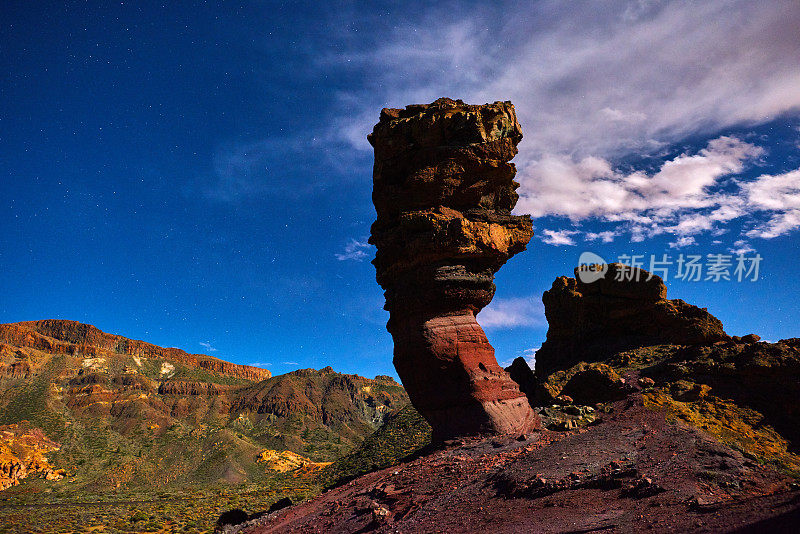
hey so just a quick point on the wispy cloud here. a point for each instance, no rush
(263, 365)
(512, 313)
(208, 346)
(559, 237)
(246, 170)
(593, 79)
(355, 250)
(598, 84)
(605, 237)
(290, 363)
(682, 242)
(741, 247)
(285, 166)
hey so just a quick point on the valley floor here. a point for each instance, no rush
(190, 512)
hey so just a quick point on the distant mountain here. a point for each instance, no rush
(20, 343)
(131, 414)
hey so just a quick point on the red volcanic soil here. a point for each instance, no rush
(632, 472)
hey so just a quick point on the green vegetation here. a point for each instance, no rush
(68, 505)
(140, 457)
(403, 434)
(151, 443)
(175, 511)
(740, 427)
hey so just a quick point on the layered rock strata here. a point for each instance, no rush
(57, 336)
(443, 191)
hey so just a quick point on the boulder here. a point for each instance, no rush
(596, 383)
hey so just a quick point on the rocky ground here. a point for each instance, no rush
(631, 470)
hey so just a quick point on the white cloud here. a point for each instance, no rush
(688, 195)
(263, 365)
(780, 192)
(354, 250)
(778, 225)
(594, 83)
(207, 345)
(291, 363)
(558, 185)
(589, 78)
(559, 237)
(512, 313)
(684, 241)
(741, 247)
(605, 237)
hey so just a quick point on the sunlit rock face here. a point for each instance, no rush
(443, 191)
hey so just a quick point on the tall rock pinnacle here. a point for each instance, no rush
(443, 191)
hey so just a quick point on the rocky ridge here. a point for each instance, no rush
(628, 308)
(57, 336)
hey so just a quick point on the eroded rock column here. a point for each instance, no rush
(443, 191)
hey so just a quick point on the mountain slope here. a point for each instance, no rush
(129, 414)
(100, 350)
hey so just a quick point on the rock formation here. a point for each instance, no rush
(285, 461)
(57, 336)
(22, 451)
(589, 321)
(443, 191)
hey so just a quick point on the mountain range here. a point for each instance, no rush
(120, 414)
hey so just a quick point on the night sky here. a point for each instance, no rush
(197, 174)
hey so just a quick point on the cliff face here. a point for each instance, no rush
(72, 337)
(590, 321)
(443, 191)
(609, 336)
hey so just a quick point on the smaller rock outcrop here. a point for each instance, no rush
(285, 461)
(521, 373)
(22, 453)
(595, 383)
(625, 309)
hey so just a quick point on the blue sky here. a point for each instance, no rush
(197, 174)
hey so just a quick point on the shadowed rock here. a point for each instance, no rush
(590, 321)
(443, 191)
